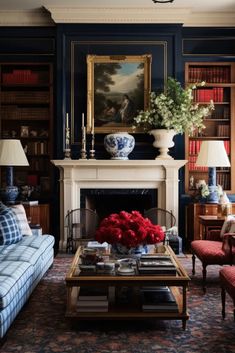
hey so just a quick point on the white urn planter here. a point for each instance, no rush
(163, 141)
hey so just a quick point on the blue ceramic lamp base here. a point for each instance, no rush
(10, 192)
(213, 196)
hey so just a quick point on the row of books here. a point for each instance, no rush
(223, 130)
(156, 265)
(223, 113)
(158, 299)
(223, 179)
(194, 146)
(206, 95)
(36, 148)
(20, 76)
(192, 165)
(215, 74)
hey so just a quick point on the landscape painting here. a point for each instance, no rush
(118, 88)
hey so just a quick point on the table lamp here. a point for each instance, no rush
(11, 154)
(212, 154)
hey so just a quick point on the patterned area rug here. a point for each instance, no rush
(42, 328)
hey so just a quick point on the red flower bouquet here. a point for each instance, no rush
(129, 229)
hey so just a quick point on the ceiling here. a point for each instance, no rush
(48, 12)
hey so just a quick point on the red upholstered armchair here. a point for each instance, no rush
(215, 250)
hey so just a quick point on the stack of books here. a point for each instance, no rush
(156, 265)
(92, 300)
(158, 299)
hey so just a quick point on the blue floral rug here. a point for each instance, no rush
(42, 328)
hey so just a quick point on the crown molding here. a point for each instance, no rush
(117, 15)
(212, 19)
(51, 15)
(184, 16)
(40, 17)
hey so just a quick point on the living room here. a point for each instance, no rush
(51, 51)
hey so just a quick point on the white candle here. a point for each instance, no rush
(82, 120)
(67, 120)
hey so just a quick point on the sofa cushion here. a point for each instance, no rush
(21, 218)
(9, 229)
(29, 249)
(13, 276)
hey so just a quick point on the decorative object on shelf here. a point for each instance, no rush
(24, 131)
(67, 150)
(212, 154)
(174, 110)
(83, 150)
(163, 141)
(127, 231)
(11, 154)
(224, 205)
(119, 145)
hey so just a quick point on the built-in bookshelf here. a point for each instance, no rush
(219, 125)
(26, 100)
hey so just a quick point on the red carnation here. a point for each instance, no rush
(129, 229)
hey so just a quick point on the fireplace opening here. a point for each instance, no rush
(107, 201)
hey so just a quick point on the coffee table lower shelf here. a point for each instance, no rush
(128, 311)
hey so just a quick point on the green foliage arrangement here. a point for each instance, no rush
(174, 109)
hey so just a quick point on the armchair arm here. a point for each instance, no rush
(228, 244)
(213, 234)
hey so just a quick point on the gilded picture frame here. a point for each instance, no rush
(118, 87)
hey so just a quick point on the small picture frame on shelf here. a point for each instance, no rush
(24, 131)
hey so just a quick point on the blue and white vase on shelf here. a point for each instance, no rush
(119, 145)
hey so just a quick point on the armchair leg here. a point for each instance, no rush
(193, 264)
(223, 295)
(234, 309)
(204, 278)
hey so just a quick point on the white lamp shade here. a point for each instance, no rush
(12, 153)
(212, 154)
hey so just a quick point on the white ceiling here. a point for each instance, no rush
(188, 12)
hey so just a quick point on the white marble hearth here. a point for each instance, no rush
(117, 174)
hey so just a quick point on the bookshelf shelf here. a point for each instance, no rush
(26, 99)
(220, 125)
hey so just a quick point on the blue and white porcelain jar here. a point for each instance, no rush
(119, 145)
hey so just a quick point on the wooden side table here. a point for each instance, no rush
(39, 214)
(209, 222)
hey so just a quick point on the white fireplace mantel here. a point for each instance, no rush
(75, 175)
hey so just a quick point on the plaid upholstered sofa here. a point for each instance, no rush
(23, 261)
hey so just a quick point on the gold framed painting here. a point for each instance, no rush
(117, 88)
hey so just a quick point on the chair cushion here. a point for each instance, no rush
(227, 278)
(9, 229)
(210, 252)
(228, 226)
(21, 218)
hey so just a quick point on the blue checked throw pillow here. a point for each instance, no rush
(9, 229)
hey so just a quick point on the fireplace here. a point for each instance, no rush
(76, 175)
(106, 201)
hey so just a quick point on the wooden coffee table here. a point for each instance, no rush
(178, 284)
